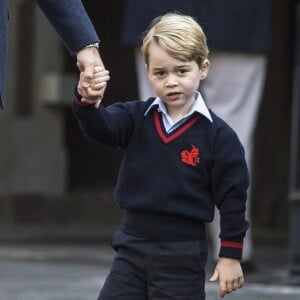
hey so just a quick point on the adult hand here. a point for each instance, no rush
(87, 60)
(96, 87)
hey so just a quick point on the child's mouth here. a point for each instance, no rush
(173, 96)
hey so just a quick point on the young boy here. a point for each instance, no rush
(180, 161)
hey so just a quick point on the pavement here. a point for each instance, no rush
(72, 264)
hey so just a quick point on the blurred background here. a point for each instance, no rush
(51, 178)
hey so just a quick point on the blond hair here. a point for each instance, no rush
(179, 35)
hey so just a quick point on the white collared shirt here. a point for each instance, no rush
(198, 106)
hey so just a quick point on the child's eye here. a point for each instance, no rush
(159, 73)
(182, 71)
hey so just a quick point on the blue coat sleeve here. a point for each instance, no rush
(3, 50)
(71, 21)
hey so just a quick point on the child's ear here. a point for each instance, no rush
(204, 68)
(147, 68)
(148, 71)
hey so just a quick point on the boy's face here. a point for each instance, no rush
(175, 82)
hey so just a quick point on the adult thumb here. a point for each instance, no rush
(87, 75)
(79, 66)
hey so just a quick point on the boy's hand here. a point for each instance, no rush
(93, 93)
(230, 275)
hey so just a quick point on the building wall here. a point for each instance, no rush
(32, 155)
(48, 170)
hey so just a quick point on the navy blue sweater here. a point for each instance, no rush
(169, 184)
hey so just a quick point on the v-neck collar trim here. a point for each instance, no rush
(169, 137)
(199, 106)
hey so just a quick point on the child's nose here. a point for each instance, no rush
(171, 80)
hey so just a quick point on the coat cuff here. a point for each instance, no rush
(231, 249)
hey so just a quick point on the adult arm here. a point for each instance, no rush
(72, 23)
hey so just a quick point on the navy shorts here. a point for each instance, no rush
(155, 270)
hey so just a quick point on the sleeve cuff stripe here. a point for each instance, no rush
(232, 245)
(79, 102)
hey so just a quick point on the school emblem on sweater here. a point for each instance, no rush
(191, 157)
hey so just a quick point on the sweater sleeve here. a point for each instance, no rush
(71, 21)
(109, 126)
(230, 182)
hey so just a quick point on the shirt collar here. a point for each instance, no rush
(198, 106)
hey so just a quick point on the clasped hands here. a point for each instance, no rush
(93, 76)
(92, 90)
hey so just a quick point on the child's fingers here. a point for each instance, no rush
(223, 288)
(94, 93)
(215, 276)
(93, 89)
(241, 282)
(100, 72)
(97, 104)
(98, 86)
(235, 285)
(227, 287)
(230, 287)
(91, 94)
(101, 79)
(98, 69)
